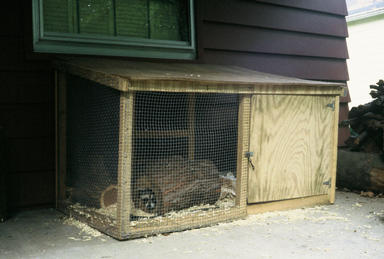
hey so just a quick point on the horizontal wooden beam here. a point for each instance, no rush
(287, 204)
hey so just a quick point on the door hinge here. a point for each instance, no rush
(328, 182)
(331, 105)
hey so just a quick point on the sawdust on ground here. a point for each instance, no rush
(85, 233)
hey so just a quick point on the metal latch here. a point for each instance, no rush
(249, 155)
(328, 183)
(331, 105)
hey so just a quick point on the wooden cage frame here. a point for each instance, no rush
(129, 77)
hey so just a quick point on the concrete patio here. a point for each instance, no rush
(351, 228)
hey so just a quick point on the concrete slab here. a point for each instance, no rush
(352, 228)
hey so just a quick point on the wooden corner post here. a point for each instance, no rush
(242, 147)
(124, 201)
(334, 151)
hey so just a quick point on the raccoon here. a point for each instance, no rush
(147, 199)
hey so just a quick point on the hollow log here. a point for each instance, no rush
(108, 196)
(86, 184)
(175, 184)
(87, 194)
(360, 171)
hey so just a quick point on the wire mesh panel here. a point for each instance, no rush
(184, 159)
(182, 152)
(92, 151)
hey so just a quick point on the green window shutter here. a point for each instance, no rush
(164, 19)
(154, 19)
(132, 18)
(57, 15)
(96, 16)
(137, 28)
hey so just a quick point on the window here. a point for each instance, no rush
(137, 28)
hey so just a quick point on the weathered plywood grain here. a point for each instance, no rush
(128, 75)
(292, 140)
(314, 68)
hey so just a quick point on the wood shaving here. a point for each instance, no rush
(316, 214)
(107, 215)
(367, 194)
(84, 229)
(201, 210)
(110, 211)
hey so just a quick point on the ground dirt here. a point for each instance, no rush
(351, 228)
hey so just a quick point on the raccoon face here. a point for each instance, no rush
(148, 199)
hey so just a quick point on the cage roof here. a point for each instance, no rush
(132, 75)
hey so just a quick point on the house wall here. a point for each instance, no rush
(298, 38)
(365, 45)
(26, 112)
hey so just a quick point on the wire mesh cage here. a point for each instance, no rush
(92, 143)
(146, 147)
(184, 154)
(138, 163)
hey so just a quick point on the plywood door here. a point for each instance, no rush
(291, 138)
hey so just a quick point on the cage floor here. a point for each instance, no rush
(143, 223)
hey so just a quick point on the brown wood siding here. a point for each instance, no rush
(33, 189)
(10, 20)
(277, 39)
(255, 13)
(26, 113)
(259, 40)
(327, 6)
